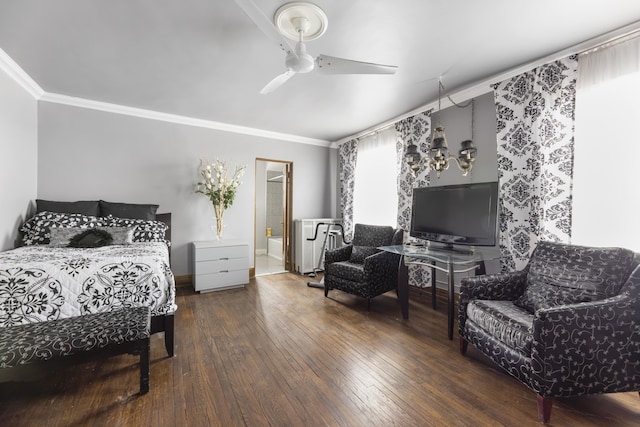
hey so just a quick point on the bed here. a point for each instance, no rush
(46, 279)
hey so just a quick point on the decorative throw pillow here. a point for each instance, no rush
(359, 253)
(561, 274)
(60, 237)
(145, 231)
(91, 238)
(37, 229)
(128, 210)
(120, 235)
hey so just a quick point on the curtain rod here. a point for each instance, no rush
(378, 129)
(484, 86)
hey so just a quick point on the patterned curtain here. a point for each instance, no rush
(535, 125)
(347, 155)
(416, 129)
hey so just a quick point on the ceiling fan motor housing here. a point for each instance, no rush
(300, 61)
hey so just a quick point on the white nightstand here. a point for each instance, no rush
(219, 265)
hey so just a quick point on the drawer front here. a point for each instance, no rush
(221, 265)
(205, 282)
(226, 252)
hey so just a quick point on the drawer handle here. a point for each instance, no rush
(224, 259)
(224, 271)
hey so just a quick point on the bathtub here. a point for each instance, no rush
(274, 247)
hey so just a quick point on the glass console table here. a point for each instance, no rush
(438, 258)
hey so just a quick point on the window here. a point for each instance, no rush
(375, 195)
(605, 181)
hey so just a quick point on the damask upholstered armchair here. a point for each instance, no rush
(362, 269)
(568, 324)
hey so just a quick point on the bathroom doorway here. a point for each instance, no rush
(273, 220)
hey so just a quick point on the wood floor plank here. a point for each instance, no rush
(278, 353)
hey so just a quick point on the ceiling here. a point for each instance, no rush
(205, 59)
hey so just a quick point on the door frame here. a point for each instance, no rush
(287, 226)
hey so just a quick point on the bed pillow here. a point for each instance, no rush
(120, 235)
(37, 230)
(128, 210)
(145, 230)
(91, 238)
(61, 237)
(85, 207)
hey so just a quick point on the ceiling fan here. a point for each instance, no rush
(303, 21)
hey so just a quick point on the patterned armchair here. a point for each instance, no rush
(362, 269)
(566, 325)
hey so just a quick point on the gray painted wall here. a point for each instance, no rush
(457, 125)
(88, 154)
(18, 157)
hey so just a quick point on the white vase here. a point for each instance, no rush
(219, 210)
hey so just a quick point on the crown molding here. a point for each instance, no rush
(13, 70)
(174, 118)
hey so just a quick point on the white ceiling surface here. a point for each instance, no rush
(206, 59)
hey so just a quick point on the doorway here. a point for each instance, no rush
(272, 216)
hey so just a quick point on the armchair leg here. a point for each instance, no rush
(544, 408)
(463, 346)
(326, 290)
(368, 304)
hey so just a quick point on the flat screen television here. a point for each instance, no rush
(464, 214)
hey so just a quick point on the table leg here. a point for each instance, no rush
(433, 288)
(403, 288)
(451, 300)
(481, 270)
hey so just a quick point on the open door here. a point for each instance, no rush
(288, 219)
(273, 223)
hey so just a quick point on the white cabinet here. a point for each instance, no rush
(307, 253)
(219, 265)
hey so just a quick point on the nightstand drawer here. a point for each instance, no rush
(221, 265)
(221, 253)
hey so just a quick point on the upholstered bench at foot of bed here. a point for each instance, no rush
(105, 334)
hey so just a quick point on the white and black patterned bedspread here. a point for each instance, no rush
(39, 283)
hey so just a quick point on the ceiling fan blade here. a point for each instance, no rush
(332, 65)
(277, 82)
(265, 25)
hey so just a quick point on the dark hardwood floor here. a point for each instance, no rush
(278, 353)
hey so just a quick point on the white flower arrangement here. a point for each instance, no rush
(218, 187)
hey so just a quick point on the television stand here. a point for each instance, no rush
(436, 258)
(451, 248)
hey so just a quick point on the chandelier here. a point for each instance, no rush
(439, 156)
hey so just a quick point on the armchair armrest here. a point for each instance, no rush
(503, 286)
(587, 348)
(381, 270)
(382, 263)
(336, 255)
